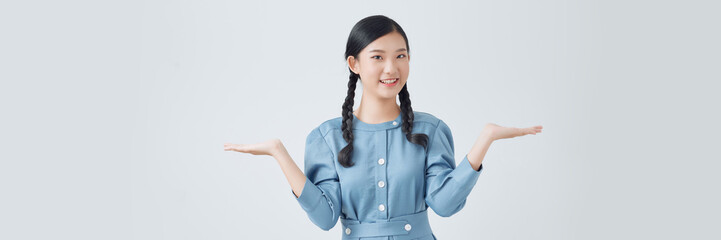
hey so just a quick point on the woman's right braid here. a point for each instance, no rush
(344, 157)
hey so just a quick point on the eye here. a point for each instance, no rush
(401, 56)
(377, 57)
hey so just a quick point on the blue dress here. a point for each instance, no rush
(386, 194)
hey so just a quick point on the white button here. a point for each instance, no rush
(381, 161)
(347, 231)
(395, 123)
(381, 184)
(407, 227)
(382, 207)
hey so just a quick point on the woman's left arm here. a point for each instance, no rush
(447, 186)
(490, 133)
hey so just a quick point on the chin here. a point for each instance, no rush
(386, 96)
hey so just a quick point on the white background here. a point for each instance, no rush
(114, 114)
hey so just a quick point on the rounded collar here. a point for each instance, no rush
(358, 124)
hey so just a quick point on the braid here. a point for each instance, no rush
(344, 157)
(407, 125)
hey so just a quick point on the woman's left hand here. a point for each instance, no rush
(496, 132)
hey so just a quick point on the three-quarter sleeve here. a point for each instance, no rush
(447, 186)
(321, 193)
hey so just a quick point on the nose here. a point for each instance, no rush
(390, 68)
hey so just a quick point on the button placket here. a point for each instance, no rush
(380, 174)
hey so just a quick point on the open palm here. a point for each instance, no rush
(499, 132)
(269, 147)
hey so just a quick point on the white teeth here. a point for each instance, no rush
(389, 81)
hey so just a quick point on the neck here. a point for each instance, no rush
(377, 110)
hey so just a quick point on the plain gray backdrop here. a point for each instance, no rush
(114, 114)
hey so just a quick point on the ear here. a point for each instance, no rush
(353, 64)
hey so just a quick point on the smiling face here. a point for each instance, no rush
(382, 66)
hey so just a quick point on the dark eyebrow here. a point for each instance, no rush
(381, 51)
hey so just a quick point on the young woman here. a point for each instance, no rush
(380, 167)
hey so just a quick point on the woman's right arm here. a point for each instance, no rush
(318, 190)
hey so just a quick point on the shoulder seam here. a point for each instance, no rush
(322, 135)
(332, 154)
(433, 137)
(435, 121)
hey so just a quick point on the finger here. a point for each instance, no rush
(531, 131)
(242, 147)
(524, 131)
(237, 147)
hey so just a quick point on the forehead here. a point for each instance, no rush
(387, 43)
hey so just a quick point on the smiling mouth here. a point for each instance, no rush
(389, 81)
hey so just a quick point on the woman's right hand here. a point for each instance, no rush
(270, 147)
(275, 148)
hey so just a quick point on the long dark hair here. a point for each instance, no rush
(363, 33)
